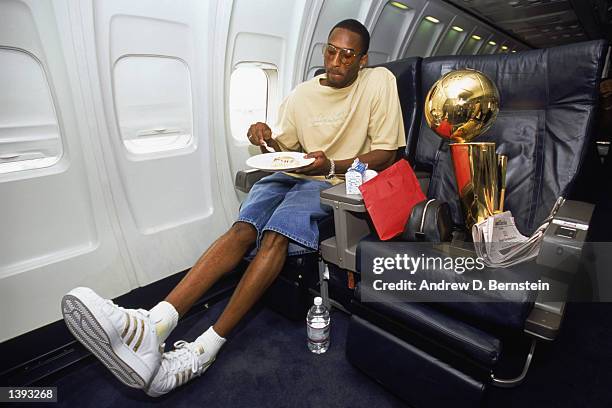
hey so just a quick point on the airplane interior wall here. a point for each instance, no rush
(123, 124)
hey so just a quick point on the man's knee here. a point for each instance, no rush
(243, 232)
(272, 240)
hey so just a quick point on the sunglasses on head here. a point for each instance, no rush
(347, 55)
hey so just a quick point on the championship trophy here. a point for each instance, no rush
(460, 106)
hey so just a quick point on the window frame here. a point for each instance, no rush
(189, 147)
(48, 161)
(272, 102)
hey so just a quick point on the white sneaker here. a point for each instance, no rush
(124, 340)
(179, 366)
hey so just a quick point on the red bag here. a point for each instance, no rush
(389, 198)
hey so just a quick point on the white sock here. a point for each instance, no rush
(211, 342)
(165, 317)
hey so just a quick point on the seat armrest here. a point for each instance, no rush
(336, 195)
(565, 236)
(354, 202)
(545, 319)
(350, 222)
(351, 225)
(561, 250)
(246, 178)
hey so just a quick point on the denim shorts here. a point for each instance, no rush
(289, 206)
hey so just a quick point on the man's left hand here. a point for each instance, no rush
(320, 167)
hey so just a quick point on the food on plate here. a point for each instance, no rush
(283, 161)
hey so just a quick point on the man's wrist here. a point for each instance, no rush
(273, 144)
(332, 169)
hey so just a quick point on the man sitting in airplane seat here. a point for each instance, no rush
(335, 117)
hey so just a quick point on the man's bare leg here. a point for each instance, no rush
(259, 275)
(220, 258)
(127, 341)
(192, 359)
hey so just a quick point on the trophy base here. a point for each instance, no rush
(478, 180)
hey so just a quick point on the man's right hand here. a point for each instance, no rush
(259, 133)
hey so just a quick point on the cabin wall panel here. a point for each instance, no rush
(452, 38)
(57, 225)
(387, 32)
(426, 34)
(168, 202)
(266, 40)
(331, 13)
(473, 46)
(490, 48)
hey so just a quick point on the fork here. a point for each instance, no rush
(268, 148)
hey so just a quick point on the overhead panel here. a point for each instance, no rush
(539, 23)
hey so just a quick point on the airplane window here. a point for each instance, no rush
(153, 101)
(30, 136)
(248, 101)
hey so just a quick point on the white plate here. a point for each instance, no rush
(267, 162)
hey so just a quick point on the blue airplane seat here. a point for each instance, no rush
(449, 353)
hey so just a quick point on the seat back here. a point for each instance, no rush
(548, 101)
(407, 73)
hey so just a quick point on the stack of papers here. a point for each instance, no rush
(500, 244)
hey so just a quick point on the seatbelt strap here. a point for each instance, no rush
(323, 282)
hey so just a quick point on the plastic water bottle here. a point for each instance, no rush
(317, 325)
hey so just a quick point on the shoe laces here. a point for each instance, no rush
(184, 355)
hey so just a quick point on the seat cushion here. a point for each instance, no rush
(503, 309)
(432, 323)
(414, 375)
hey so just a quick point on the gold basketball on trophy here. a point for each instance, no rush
(460, 106)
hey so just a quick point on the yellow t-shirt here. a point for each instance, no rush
(345, 122)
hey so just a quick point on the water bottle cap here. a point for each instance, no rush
(318, 301)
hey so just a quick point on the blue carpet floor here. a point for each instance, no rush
(572, 371)
(265, 364)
